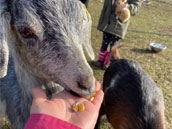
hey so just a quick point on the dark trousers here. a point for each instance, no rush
(85, 2)
(109, 39)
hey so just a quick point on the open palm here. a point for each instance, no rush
(60, 106)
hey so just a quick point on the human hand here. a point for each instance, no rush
(60, 106)
(121, 7)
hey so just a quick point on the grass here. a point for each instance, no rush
(154, 17)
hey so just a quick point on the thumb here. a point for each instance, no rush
(97, 85)
(38, 93)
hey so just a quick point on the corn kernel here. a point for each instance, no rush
(75, 108)
(91, 98)
(97, 90)
(81, 107)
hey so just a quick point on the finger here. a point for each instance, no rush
(98, 99)
(38, 93)
(97, 85)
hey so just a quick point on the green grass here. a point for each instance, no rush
(155, 17)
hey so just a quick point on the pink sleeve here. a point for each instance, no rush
(42, 121)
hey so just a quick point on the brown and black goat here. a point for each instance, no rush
(132, 99)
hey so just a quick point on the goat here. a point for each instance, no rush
(132, 99)
(44, 41)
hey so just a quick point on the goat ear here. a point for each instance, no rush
(4, 51)
(87, 24)
(87, 45)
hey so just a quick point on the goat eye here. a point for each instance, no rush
(26, 33)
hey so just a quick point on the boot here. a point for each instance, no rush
(101, 59)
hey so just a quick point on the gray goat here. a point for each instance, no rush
(41, 44)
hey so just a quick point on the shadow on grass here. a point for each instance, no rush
(91, 63)
(142, 51)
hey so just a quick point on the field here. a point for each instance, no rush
(152, 24)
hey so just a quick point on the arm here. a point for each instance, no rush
(134, 6)
(58, 112)
(42, 121)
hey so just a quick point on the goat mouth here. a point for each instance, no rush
(84, 94)
(74, 93)
(77, 89)
(80, 91)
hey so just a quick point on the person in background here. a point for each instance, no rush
(57, 113)
(85, 2)
(113, 28)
